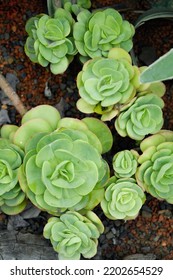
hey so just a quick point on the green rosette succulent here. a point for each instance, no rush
(97, 32)
(63, 170)
(123, 199)
(50, 40)
(73, 235)
(106, 84)
(12, 198)
(155, 173)
(143, 117)
(125, 163)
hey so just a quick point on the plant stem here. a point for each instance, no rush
(12, 95)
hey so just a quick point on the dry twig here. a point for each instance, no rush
(12, 95)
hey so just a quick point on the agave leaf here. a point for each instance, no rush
(154, 13)
(160, 70)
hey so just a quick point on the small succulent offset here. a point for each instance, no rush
(73, 6)
(143, 117)
(73, 235)
(123, 199)
(50, 40)
(125, 163)
(76, 6)
(12, 198)
(155, 173)
(97, 32)
(63, 167)
(106, 84)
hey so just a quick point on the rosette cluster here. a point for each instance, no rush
(98, 32)
(155, 173)
(63, 167)
(123, 199)
(50, 40)
(73, 235)
(12, 198)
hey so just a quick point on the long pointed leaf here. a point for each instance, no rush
(154, 13)
(160, 70)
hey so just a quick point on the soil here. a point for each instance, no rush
(150, 235)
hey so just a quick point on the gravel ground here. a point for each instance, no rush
(150, 235)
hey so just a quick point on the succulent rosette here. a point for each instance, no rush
(105, 84)
(123, 199)
(73, 235)
(63, 170)
(125, 163)
(155, 173)
(143, 117)
(12, 198)
(98, 32)
(50, 40)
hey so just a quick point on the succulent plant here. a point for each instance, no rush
(50, 40)
(63, 167)
(73, 235)
(107, 83)
(12, 198)
(62, 170)
(123, 199)
(97, 32)
(155, 173)
(143, 117)
(125, 163)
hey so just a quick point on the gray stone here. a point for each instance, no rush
(140, 257)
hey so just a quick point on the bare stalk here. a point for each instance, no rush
(12, 95)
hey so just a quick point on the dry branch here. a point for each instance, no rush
(12, 95)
